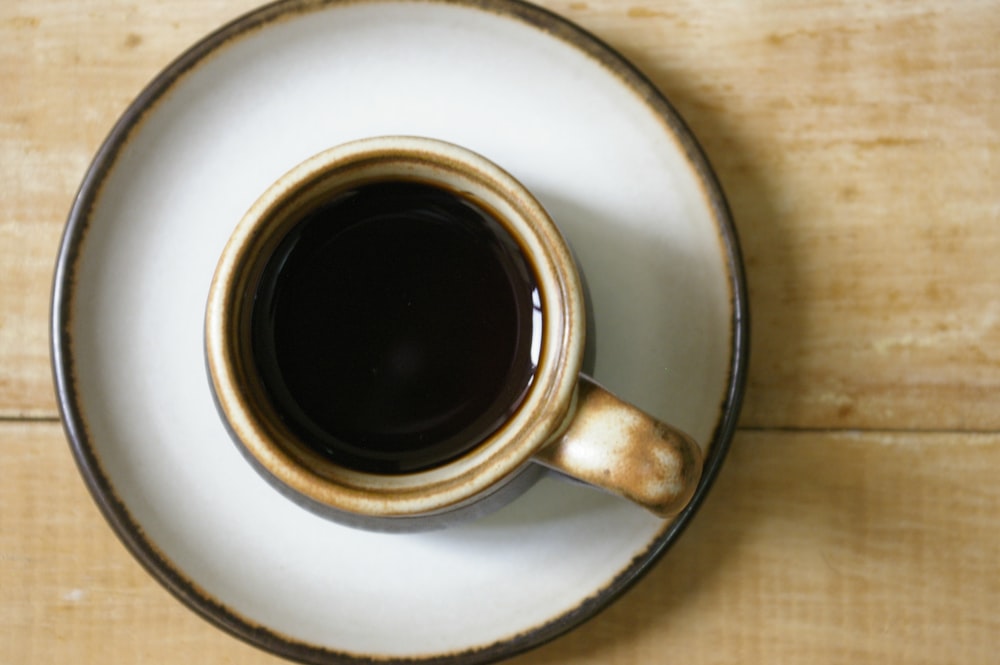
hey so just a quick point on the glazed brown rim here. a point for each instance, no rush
(261, 431)
(131, 533)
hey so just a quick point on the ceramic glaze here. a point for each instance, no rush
(644, 459)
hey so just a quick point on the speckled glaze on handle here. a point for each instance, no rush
(612, 445)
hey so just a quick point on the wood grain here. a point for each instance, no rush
(858, 147)
(814, 547)
(856, 520)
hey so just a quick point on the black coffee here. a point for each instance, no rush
(394, 327)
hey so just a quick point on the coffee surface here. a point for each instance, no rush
(393, 327)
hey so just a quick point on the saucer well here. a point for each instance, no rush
(593, 140)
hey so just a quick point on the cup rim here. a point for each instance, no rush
(256, 427)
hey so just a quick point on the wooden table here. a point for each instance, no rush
(858, 516)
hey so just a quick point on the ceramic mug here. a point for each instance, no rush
(394, 338)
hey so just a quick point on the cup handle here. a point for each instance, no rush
(614, 446)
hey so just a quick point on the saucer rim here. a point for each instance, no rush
(113, 508)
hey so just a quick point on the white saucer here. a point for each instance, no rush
(575, 123)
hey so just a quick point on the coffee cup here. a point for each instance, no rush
(394, 338)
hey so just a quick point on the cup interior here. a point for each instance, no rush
(396, 327)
